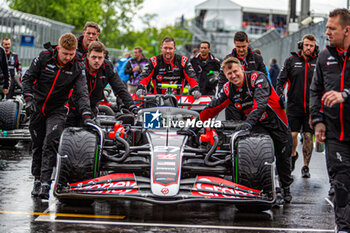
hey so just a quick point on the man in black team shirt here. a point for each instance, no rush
(14, 65)
(4, 74)
(330, 107)
(297, 71)
(250, 61)
(205, 64)
(257, 103)
(46, 87)
(99, 73)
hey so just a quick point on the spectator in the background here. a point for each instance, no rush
(4, 74)
(13, 66)
(121, 67)
(258, 51)
(274, 71)
(134, 69)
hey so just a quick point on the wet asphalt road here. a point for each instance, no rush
(308, 212)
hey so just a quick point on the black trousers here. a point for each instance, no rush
(338, 163)
(283, 150)
(45, 132)
(11, 92)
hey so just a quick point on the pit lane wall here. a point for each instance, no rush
(273, 45)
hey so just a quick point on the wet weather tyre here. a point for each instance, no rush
(105, 110)
(253, 169)
(78, 157)
(8, 115)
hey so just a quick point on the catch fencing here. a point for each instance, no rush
(273, 46)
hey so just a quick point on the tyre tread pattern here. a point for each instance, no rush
(79, 147)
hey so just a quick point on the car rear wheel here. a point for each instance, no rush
(8, 115)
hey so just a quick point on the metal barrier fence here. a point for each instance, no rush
(15, 25)
(273, 46)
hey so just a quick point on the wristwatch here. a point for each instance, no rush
(345, 94)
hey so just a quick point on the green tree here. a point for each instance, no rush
(74, 12)
(111, 15)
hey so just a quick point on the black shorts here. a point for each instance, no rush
(299, 124)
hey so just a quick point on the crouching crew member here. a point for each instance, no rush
(254, 98)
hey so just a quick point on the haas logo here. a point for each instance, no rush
(238, 106)
(254, 76)
(165, 191)
(227, 89)
(159, 77)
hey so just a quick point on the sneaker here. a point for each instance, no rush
(36, 188)
(287, 196)
(279, 198)
(45, 191)
(331, 190)
(305, 173)
(294, 159)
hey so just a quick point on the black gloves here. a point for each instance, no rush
(140, 92)
(281, 101)
(30, 106)
(87, 119)
(244, 126)
(134, 109)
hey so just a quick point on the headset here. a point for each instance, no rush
(300, 45)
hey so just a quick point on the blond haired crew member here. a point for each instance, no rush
(254, 98)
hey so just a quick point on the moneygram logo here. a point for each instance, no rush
(154, 120)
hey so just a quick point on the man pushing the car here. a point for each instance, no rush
(168, 68)
(46, 86)
(257, 103)
(99, 73)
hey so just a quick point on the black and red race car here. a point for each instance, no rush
(166, 157)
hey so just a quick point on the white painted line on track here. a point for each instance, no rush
(329, 202)
(50, 209)
(142, 224)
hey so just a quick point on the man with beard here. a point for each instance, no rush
(330, 107)
(168, 68)
(297, 71)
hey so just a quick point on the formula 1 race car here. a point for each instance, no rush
(13, 122)
(168, 156)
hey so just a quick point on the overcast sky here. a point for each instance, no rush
(168, 10)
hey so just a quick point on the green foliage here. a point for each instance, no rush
(150, 38)
(114, 16)
(74, 12)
